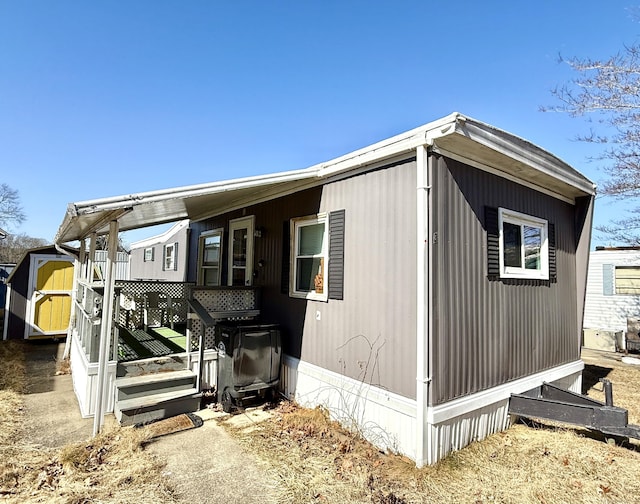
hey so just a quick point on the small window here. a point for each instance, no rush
(309, 257)
(628, 280)
(524, 248)
(148, 254)
(170, 252)
(210, 258)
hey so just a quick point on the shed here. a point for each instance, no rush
(39, 292)
(419, 281)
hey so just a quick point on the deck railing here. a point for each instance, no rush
(129, 309)
(223, 303)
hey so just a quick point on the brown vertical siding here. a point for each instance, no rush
(490, 332)
(370, 335)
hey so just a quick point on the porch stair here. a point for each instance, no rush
(150, 397)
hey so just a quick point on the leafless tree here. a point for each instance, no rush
(11, 211)
(15, 245)
(607, 92)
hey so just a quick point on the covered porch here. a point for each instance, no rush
(135, 346)
(161, 356)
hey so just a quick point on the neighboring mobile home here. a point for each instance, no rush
(162, 257)
(613, 296)
(418, 281)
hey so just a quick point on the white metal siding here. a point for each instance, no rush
(121, 267)
(370, 334)
(609, 312)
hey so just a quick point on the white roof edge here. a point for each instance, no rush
(455, 123)
(385, 148)
(524, 151)
(102, 204)
(159, 238)
(404, 142)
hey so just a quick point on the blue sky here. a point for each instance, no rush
(102, 98)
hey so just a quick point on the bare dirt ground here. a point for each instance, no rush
(305, 457)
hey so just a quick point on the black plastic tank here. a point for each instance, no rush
(249, 356)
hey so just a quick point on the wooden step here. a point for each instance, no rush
(151, 365)
(154, 383)
(152, 407)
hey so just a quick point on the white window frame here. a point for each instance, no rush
(520, 219)
(148, 254)
(296, 225)
(201, 264)
(172, 265)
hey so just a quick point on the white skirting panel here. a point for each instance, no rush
(85, 378)
(454, 425)
(389, 421)
(385, 419)
(210, 375)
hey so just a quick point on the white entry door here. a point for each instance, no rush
(241, 251)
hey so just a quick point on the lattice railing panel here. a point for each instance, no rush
(222, 299)
(132, 299)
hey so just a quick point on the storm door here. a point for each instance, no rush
(241, 251)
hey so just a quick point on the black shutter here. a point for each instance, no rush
(164, 258)
(175, 256)
(336, 254)
(493, 242)
(553, 272)
(286, 255)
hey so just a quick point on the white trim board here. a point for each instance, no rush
(466, 404)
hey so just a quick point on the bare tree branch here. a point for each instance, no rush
(10, 209)
(607, 92)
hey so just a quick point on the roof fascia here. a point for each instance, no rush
(522, 151)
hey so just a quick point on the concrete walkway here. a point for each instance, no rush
(52, 413)
(208, 465)
(205, 464)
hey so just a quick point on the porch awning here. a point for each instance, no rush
(455, 134)
(134, 211)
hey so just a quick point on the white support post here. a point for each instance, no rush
(103, 386)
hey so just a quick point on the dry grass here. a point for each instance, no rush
(315, 460)
(111, 468)
(312, 459)
(12, 385)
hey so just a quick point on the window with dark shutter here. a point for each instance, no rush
(519, 246)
